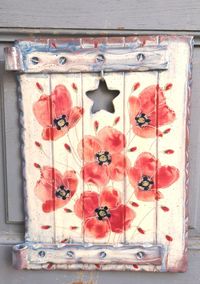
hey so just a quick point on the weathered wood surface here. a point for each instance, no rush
(135, 58)
(26, 256)
(137, 15)
(150, 216)
(11, 275)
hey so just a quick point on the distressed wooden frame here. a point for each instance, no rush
(22, 254)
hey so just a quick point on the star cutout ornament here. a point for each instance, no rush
(102, 98)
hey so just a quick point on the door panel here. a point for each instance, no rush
(183, 16)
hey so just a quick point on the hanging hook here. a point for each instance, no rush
(102, 75)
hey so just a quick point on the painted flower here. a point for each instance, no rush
(103, 156)
(56, 114)
(54, 189)
(103, 213)
(148, 176)
(149, 111)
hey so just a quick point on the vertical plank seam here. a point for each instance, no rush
(83, 184)
(157, 138)
(124, 151)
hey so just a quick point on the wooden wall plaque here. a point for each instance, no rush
(105, 186)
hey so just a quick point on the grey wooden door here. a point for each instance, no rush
(22, 19)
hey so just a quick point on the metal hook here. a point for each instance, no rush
(102, 75)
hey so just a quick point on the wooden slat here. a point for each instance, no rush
(68, 228)
(37, 154)
(172, 151)
(144, 226)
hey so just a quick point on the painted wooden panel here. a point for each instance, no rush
(104, 182)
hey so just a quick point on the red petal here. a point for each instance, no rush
(61, 101)
(86, 204)
(148, 98)
(74, 116)
(164, 115)
(67, 147)
(168, 86)
(43, 190)
(68, 210)
(135, 266)
(134, 175)
(167, 130)
(117, 119)
(121, 218)
(73, 228)
(109, 197)
(146, 131)
(136, 86)
(45, 227)
(169, 151)
(42, 111)
(39, 86)
(95, 174)
(51, 176)
(38, 144)
(48, 206)
(134, 108)
(169, 238)
(141, 231)
(164, 208)
(65, 241)
(167, 175)
(134, 204)
(96, 228)
(50, 265)
(51, 133)
(118, 167)
(112, 140)
(37, 166)
(54, 204)
(74, 86)
(88, 147)
(96, 125)
(53, 44)
(148, 196)
(133, 149)
(147, 163)
(70, 181)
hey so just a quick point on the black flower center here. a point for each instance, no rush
(62, 192)
(142, 120)
(61, 122)
(145, 183)
(102, 212)
(103, 158)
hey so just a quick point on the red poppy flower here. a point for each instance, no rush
(147, 176)
(54, 189)
(56, 114)
(103, 212)
(149, 111)
(103, 156)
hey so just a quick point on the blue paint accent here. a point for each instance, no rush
(27, 47)
(164, 254)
